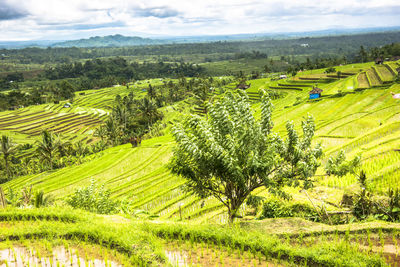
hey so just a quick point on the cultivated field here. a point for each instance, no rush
(66, 237)
(26, 124)
(360, 122)
(356, 113)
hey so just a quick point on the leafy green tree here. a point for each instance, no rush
(7, 149)
(230, 153)
(48, 146)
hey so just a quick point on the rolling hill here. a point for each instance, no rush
(357, 120)
(168, 226)
(110, 41)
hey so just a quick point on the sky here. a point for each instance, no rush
(22, 20)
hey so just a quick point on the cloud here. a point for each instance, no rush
(158, 12)
(301, 9)
(114, 24)
(52, 19)
(8, 12)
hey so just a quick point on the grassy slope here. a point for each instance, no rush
(366, 122)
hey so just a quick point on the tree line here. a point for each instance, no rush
(140, 117)
(51, 92)
(47, 153)
(344, 45)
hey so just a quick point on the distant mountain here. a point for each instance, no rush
(119, 40)
(110, 41)
(24, 44)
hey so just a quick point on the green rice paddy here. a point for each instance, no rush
(356, 113)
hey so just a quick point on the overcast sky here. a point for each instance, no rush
(74, 19)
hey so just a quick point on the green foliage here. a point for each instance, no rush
(397, 79)
(363, 204)
(275, 94)
(130, 118)
(330, 70)
(337, 165)
(63, 224)
(42, 201)
(255, 202)
(107, 72)
(7, 149)
(94, 199)
(230, 153)
(394, 204)
(48, 146)
(315, 254)
(275, 208)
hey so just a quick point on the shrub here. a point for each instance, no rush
(330, 70)
(397, 80)
(94, 199)
(275, 208)
(394, 204)
(255, 202)
(363, 205)
(339, 166)
(41, 201)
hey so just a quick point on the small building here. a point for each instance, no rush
(379, 60)
(283, 76)
(243, 86)
(67, 105)
(315, 93)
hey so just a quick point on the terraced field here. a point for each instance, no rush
(65, 237)
(27, 123)
(373, 78)
(86, 112)
(362, 80)
(361, 122)
(385, 73)
(365, 122)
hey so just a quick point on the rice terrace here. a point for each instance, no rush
(188, 146)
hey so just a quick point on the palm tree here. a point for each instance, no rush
(48, 146)
(148, 110)
(113, 130)
(101, 132)
(7, 149)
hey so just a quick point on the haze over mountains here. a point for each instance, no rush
(119, 40)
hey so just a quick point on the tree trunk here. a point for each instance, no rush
(231, 216)
(6, 166)
(232, 211)
(51, 161)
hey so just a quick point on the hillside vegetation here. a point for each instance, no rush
(358, 121)
(155, 221)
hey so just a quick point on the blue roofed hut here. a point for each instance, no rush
(315, 93)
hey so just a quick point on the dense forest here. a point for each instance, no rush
(345, 45)
(119, 68)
